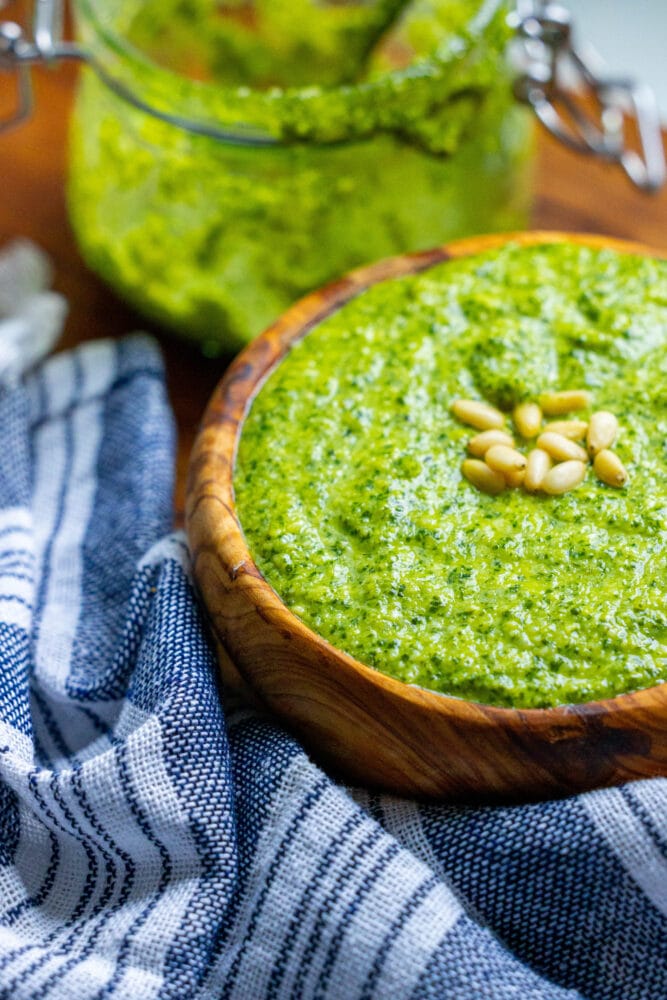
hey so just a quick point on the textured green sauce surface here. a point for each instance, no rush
(349, 489)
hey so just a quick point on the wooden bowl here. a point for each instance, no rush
(367, 727)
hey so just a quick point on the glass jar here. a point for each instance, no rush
(211, 206)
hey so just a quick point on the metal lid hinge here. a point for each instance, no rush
(18, 53)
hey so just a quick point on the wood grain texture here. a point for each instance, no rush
(368, 727)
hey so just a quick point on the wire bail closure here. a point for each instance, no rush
(579, 104)
(558, 80)
(18, 53)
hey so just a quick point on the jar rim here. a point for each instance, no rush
(275, 116)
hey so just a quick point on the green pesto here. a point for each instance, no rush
(349, 489)
(378, 152)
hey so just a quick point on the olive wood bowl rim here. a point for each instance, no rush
(210, 481)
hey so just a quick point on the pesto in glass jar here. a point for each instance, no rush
(288, 156)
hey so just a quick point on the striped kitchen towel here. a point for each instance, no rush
(153, 846)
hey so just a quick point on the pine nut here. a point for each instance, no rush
(561, 448)
(480, 444)
(563, 477)
(555, 403)
(575, 430)
(539, 463)
(602, 431)
(476, 414)
(609, 468)
(515, 477)
(482, 476)
(504, 459)
(528, 419)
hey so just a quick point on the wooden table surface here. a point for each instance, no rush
(571, 192)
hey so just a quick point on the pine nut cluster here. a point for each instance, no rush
(557, 463)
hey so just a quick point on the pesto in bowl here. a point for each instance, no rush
(349, 490)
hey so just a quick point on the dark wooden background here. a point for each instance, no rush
(571, 192)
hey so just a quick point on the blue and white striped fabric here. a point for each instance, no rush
(152, 846)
